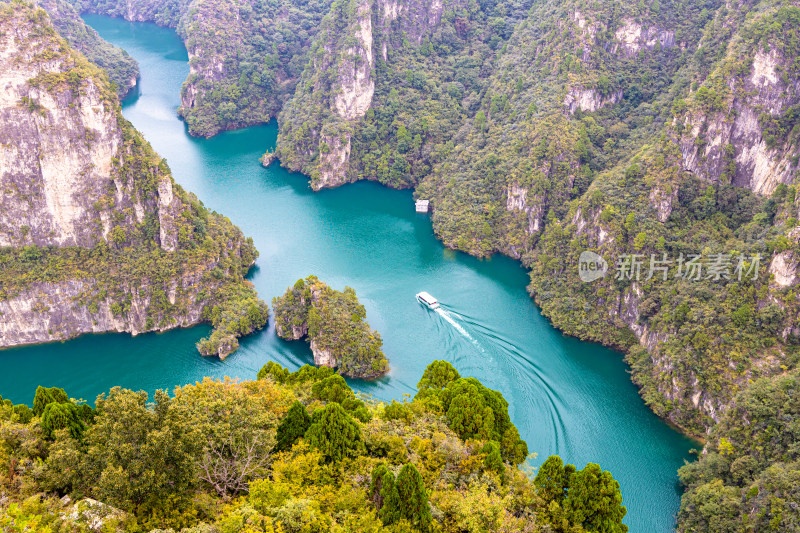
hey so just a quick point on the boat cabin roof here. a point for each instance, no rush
(427, 297)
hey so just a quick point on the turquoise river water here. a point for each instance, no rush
(567, 397)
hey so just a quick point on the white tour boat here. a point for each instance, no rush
(428, 300)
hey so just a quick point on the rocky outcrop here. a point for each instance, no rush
(334, 324)
(662, 200)
(729, 130)
(589, 99)
(631, 37)
(92, 515)
(517, 200)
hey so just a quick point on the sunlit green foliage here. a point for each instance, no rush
(224, 456)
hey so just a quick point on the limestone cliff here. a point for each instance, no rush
(63, 153)
(358, 45)
(94, 234)
(738, 126)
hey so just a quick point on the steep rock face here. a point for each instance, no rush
(589, 99)
(738, 127)
(59, 144)
(736, 148)
(46, 312)
(94, 234)
(632, 37)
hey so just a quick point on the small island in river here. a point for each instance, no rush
(334, 323)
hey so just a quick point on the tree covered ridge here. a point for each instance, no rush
(429, 69)
(122, 69)
(291, 451)
(598, 127)
(245, 55)
(334, 322)
(748, 479)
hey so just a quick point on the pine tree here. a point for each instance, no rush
(334, 433)
(62, 415)
(293, 426)
(513, 448)
(45, 396)
(332, 389)
(437, 375)
(405, 499)
(493, 460)
(594, 501)
(376, 485)
(552, 480)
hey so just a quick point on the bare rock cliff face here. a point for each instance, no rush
(90, 217)
(734, 145)
(57, 150)
(47, 312)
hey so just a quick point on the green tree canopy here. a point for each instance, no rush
(594, 501)
(404, 498)
(46, 396)
(60, 416)
(334, 433)
(436, 376)
(293, 426)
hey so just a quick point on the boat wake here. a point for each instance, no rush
(449, 318)
(511, 364)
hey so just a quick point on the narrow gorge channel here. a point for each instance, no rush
(567, 397)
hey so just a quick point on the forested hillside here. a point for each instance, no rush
(293, 452)
(701, 339)
(749, 479)
(623, 127)
(245, 56)
(388, 86)
(660, 134)
(121, 68)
